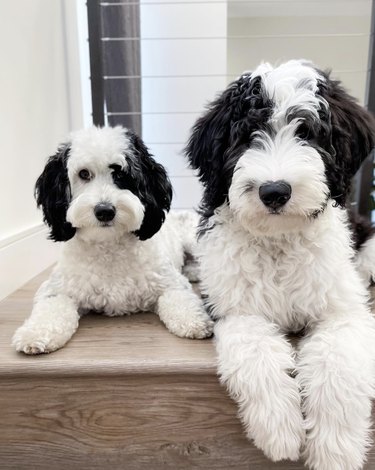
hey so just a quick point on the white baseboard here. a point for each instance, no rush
(23, 256)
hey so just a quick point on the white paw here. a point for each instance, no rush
(276, 425)
(198, 327)
(338, 454)
(30, 341)
(283, 445)
(183, 314)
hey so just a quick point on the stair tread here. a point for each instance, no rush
(132, 344)
(54, 407)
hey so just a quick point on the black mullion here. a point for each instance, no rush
(96, 68)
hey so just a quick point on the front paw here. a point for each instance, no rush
(198, 327)
(192, 324)
(276, 425)
(184, 315)
(285, 444)
(30, 341)
(341, 452)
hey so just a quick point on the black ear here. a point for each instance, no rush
(352, 138)
(222, 134)
(52, 192)
(154, 187)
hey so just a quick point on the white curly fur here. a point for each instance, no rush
(244, 276)
(107, 268)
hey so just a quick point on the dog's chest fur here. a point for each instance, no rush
(113, 279)
(288, 288)
(286, 280)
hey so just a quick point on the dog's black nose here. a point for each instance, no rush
(104, 212)
(275, 194)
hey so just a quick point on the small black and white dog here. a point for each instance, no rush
(276, 152)
(106, 197)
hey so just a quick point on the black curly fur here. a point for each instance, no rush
(352, 134)
(150, 184)
(222, 135)
(52, 193)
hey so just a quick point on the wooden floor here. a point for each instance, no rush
(123, 394)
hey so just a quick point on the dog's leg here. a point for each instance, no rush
(53, 321)
(336, 372)
(182, 311)
(255, 362)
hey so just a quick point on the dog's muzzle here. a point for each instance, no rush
(275, 194)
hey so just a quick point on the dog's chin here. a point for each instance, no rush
(274, 222)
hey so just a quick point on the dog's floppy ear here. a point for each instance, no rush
(52, 192)
(221, 135)
(352, 138)
(155, 189)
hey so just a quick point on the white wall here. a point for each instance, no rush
(35, 116)
(340, 43)
(183, 62)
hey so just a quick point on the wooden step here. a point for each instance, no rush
(123, 394)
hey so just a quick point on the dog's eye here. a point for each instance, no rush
(85, 175)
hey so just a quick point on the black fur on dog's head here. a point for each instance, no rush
(52, 193)
(151, 184)
(351, 133)
(222, 135)
(248, 111)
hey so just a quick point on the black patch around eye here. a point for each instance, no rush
(122, 178)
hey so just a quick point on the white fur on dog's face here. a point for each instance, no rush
(280, 154)
(97, 150)
(280, 158)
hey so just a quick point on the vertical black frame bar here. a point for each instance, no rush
(365, 176)
(96, 68)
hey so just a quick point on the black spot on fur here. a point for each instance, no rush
(123, 179)
(147, 180)
(223, 134)
(52, 192)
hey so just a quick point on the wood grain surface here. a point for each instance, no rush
(102, 345)
(123, 394)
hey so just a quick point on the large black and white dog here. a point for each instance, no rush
(106, 197)
(276, 153)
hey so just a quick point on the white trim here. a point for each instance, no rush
(77, 60)
(23, 256)
(23, 234)
(84, 61)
